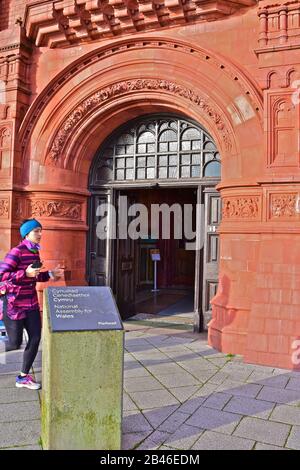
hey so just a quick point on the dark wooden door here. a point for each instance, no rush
(212, 208)
(99, 250)
(125, 262)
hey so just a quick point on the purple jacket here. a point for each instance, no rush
(21, 293)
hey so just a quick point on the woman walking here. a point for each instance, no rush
(20, 271)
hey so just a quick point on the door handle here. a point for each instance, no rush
(212, 228)
(93, 254)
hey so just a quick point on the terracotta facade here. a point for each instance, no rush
(72, 71)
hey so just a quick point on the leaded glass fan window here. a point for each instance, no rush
(165, 148)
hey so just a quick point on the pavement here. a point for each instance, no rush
(179, 394)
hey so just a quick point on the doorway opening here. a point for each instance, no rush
(169, 293)
(156, 160)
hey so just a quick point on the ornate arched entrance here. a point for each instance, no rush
(157, 159)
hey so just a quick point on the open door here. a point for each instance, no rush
(211, 250)
(125, 260)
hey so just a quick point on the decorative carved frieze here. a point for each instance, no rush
(283, 206)
(125, 87)
(241, 208)
(58, 208)
(61, 23)
(4, 208)
(231, 71)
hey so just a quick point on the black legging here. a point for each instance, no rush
(14, 328)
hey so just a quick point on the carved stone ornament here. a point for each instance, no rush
(128, 86)
(245, 207)
(283, 205)
(4, 207)
(62, 209)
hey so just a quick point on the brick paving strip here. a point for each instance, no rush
(178, 394)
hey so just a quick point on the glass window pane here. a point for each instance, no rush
(173, 172)
(163, 147)
(150, 172)
(185, 159)
(120, 163)
(129, 149)
(129, 174)
(173, 160)
(207, 157)
(196, 159)
(195, 171)
(129, 162)
(120, 174)
(120, 149)
(141, 148)
(212, 169)
(163, 172)
(173, 147)
(141, 161)
(151, 161)
(150, 148)
(146, 137)
(141, 173)
(191, 134)
(196, 144)
(185, 145)
(163, 160)
(209, 146)
(168, 136)
(185, 171)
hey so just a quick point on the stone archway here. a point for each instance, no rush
(91, 97)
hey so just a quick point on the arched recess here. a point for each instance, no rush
(113, 84)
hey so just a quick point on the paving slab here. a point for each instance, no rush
(277, 395)
(133, 422)
(293, 441)
(211, 440)
(184, 393)
(184, 437)
(132, 440)
(264, 431)
(154, 441)
(138, 384)
(153, 399)
(19, 412)
(14, 395)
(174, 380)
(286, 414)
(20, 433)
(156, 416)
(172, 423)
(217, 401)
(293, 384)
(260, 446)
(208, 418)
(249, 407)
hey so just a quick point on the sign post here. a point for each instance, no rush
(82, 379)
(155, 256)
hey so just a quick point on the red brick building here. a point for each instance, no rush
(100, 98)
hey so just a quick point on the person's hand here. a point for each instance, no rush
(57, 272)
(32, 272)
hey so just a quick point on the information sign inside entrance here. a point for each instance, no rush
(155, 255)
(82, 308)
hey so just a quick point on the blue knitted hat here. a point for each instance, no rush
(29, 225)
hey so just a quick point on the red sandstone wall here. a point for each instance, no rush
(237, 70)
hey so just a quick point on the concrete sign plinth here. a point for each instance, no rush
(82, 376)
